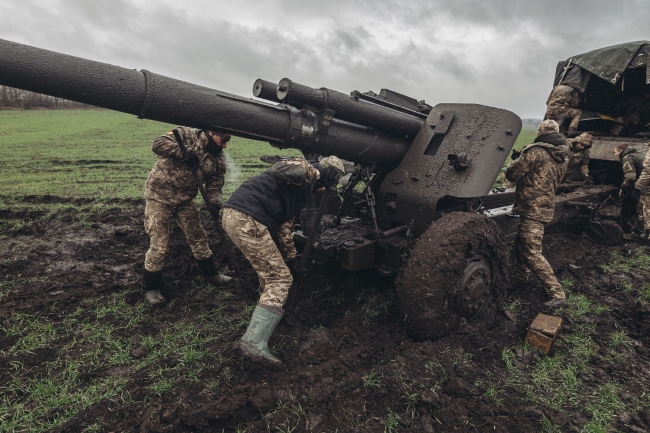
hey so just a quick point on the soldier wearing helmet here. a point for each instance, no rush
(537, 172)
(579, 149)
(169, 194)
(259, 215)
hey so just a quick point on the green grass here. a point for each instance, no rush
(95, 154)
(94, 359)
(526, 137)
(556, 380)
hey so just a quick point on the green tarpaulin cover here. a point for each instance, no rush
(608, 63)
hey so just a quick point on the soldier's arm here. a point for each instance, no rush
(521, 166)
(629, 174)
(166, 146)
(214, 181)
(643, 181)
(285, 239)
(295, 172)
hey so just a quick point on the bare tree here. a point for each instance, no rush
(16, 98)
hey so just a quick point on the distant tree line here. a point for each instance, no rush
(531, 122)
(16, 98)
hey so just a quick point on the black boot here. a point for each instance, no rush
(210, 273)
(151, 285)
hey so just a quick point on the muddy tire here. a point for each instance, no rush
(457, 270)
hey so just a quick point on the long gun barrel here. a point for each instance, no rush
(153, 96)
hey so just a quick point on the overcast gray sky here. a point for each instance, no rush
(494, 52)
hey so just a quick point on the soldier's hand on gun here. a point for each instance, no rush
(588, 179)
(329, 177)
(515, 154)
(192, 161)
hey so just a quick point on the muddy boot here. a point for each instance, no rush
(555, 303)
(254, 345)
(557, 296)
(151, 285)
(210, 273)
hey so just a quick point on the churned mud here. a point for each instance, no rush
(349, 364)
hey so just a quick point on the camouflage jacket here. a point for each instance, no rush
(564, 96)
(578, 158)
(171, 183)
(538, 172)
(632, 160)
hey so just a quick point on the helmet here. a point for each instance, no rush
(333, 161)
(584, 139)
(547, 127)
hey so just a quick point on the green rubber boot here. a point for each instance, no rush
(255, 342)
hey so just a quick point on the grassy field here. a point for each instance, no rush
(95, 154)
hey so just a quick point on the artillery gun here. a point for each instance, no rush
(418, 204)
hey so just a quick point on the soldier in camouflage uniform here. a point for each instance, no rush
(169, 194)
(642, 191)
(562, 105)
(538, 171)
(632, 161)
(256, 216)
(579, 148)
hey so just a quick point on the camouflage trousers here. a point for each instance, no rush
(560, 113)
(528, 253)
(645, 211)
(257, 245)
(157, 223)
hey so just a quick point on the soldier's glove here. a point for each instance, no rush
(588, 179)
(192, 161)
(636, 194)
(328, 177)
(215, 207)
(515, 154)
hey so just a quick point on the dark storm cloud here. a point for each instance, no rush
(500, 52)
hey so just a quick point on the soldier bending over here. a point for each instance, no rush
(579, 148)
(538, 172)
(169, 192)
(258, 214)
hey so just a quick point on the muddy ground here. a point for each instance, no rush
(349, 365)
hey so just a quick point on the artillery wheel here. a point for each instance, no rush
(457, 269)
